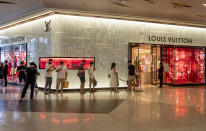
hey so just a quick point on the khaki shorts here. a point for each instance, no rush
(91, 80)
(131, 78)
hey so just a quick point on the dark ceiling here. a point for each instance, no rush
(177, 10)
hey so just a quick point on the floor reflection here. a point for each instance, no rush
(153, 109)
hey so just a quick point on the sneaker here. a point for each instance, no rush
(94, 89)
(31, 100)
(20, 100)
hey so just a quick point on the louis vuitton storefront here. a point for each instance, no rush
(180, 48)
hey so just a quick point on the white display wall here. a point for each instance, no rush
(105, 39)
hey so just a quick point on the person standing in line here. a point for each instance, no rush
(22, 76)
(5, 72)
(1, 73)
(48, 76)
(31, 75)
(35, 85)
(131, 75)
(61, 76)
(91, 77)
(114, 77)
(160, 75)
(81, 74)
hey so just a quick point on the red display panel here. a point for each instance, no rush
(71, 62)
(184, 65)
(14, 55)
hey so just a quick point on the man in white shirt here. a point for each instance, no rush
(91, 77)
(48, 76)
(61, 76)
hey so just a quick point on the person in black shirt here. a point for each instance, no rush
(131, 75)
(22, 76)
(1, 73)
(31, 75)
(5, 72)
(36, 86)
(160, 74)
(81, 74)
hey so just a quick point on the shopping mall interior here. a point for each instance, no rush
(151, 34)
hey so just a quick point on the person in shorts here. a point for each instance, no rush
(48, 76)
(81, 74)
(131, 75)
(22, 76)
(91, 77)
(61, 76)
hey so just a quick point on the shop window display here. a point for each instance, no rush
(184, 65)
(14, 55)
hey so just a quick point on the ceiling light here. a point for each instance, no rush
(204, 4)
(123, 1)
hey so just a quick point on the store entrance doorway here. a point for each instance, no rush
(147, 60)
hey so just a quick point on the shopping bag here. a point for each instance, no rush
(109, 75)
(66, 84)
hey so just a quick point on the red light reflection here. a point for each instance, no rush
(86, 119)
(71, 120)
(55, 120)
(67, 120)
(42, 116)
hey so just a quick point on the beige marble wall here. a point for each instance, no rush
(105, 39)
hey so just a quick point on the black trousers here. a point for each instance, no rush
(161, 82)
(5, 79)
(32, 84)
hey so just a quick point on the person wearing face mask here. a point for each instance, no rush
(1, 73)
(81, 74)
(48, 76)
(5, 72)
(22, 76)
(31, 75)
(61, 76)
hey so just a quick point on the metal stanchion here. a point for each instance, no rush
(140, 84)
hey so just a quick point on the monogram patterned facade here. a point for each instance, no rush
(105, 39)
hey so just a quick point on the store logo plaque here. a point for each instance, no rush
(47, 26)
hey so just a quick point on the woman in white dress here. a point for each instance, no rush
(114, 77)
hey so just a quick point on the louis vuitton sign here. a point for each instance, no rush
(12, 40)
(166, 39)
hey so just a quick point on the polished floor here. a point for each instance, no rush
(167, 109)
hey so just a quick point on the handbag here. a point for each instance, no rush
(66, 84)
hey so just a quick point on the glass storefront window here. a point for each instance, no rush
(184, 65)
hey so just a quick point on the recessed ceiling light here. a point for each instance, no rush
(204, 4)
